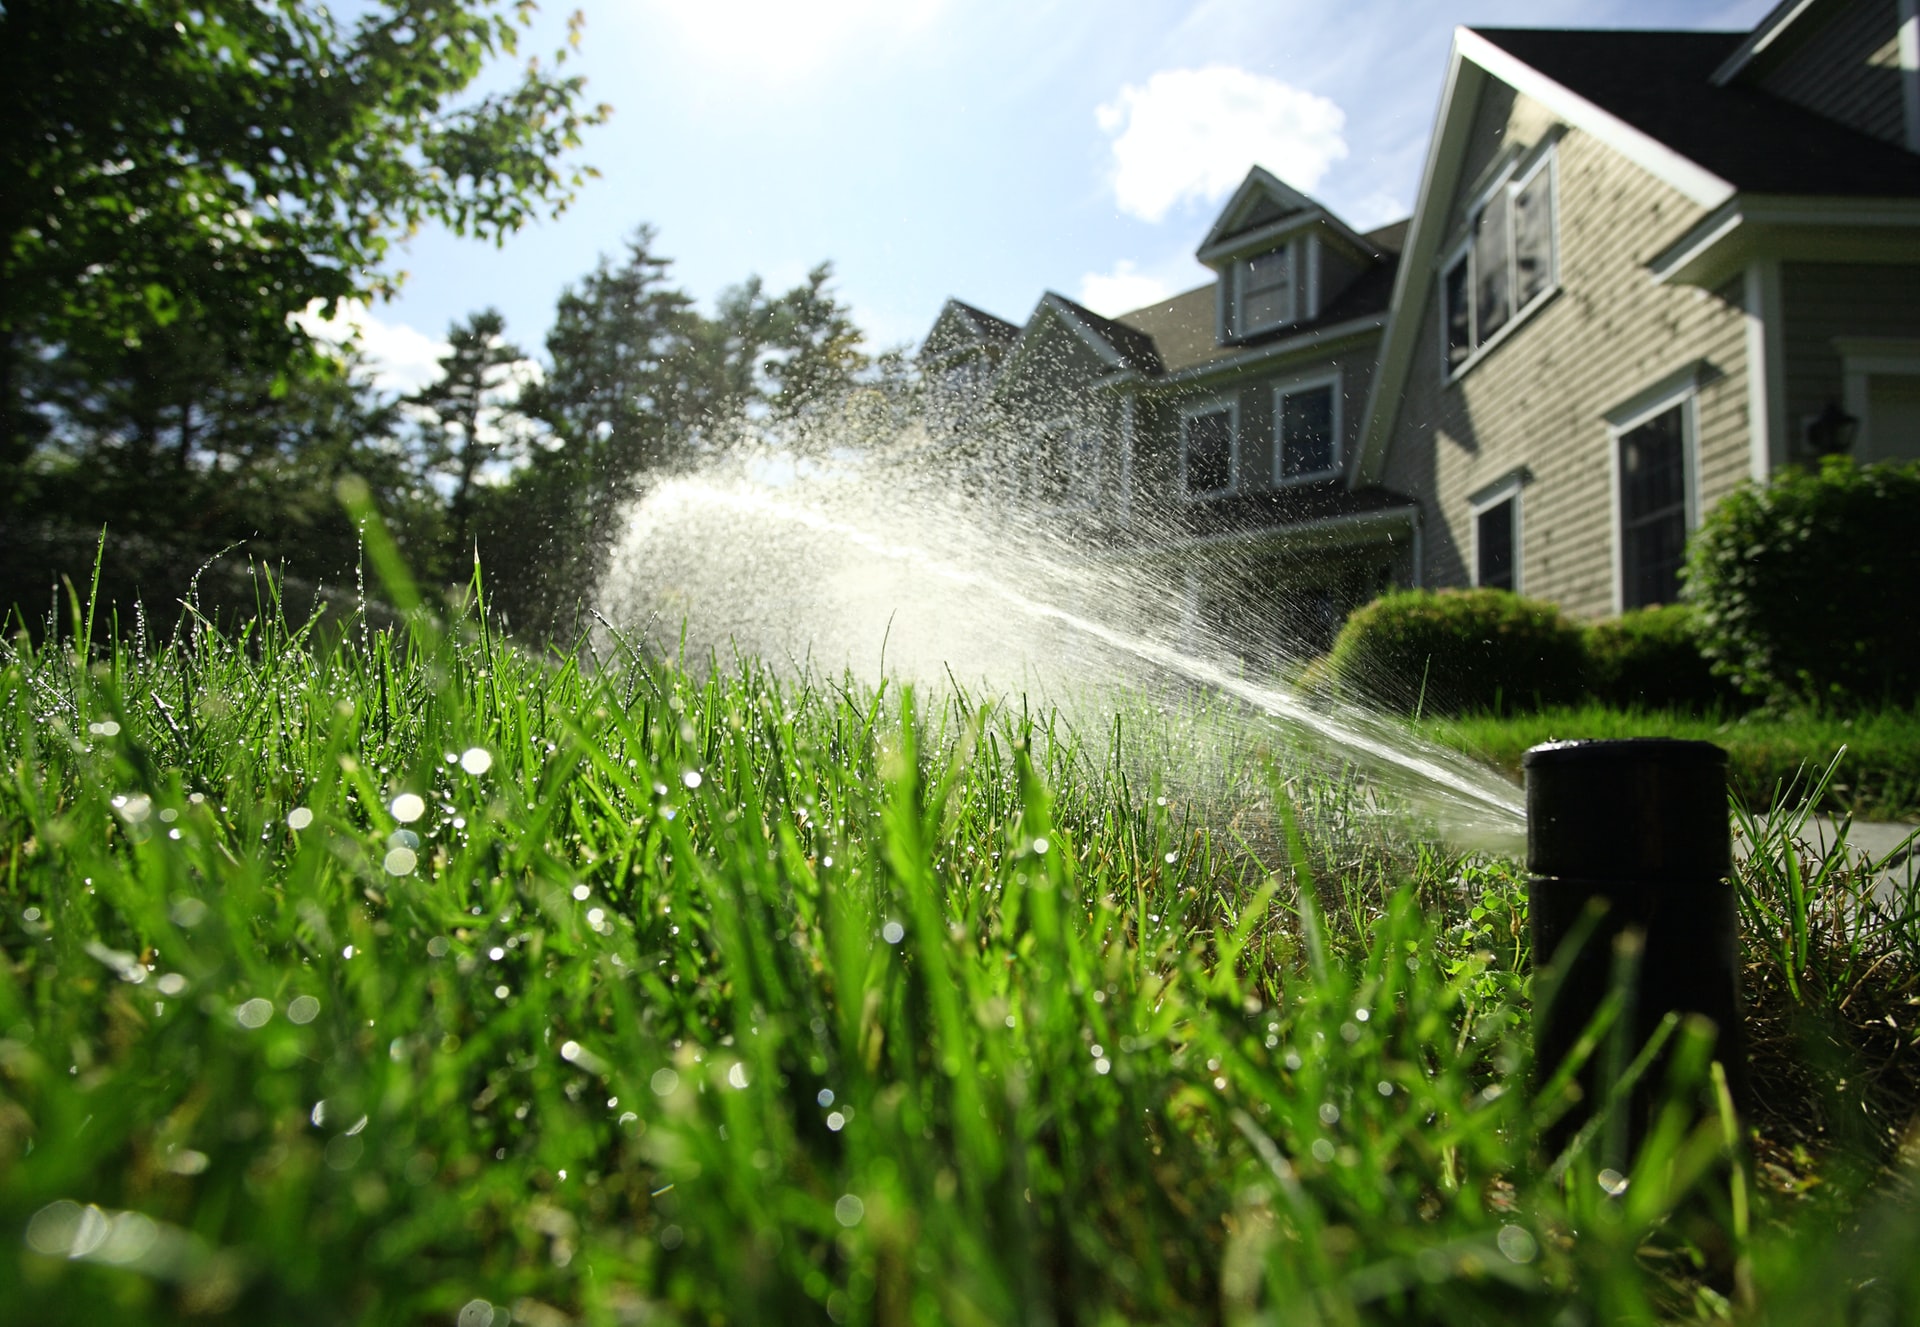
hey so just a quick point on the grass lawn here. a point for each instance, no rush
(417, 980)
(1878, 777)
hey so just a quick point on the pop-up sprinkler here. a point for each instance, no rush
(1628, 841)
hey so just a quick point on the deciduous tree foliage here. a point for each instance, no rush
(227, 162)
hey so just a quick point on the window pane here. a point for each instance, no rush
(1209, 440)
(1459, 317)
(1653, 510)
(1493, 532)
(1306, 432)
(1533, 237)
(1266, 283)
(1492, 303)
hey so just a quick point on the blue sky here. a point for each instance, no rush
(989, 149)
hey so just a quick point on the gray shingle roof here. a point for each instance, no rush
(1660, 83)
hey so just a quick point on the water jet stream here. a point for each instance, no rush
(1471, 804)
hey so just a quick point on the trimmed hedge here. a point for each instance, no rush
(1458, 652)
(1650, 659)
(1808, 590)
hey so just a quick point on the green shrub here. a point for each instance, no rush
(1808, 590)
(1650, 659)
(1459, 651)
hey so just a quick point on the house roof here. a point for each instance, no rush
(1661, 83)
(989, 327)
(1134, 347)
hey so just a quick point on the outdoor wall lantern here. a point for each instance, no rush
(1830, 432)
(1629, 851)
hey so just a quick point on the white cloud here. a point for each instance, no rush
(1122, 290)
(1191, 135)
(404, 359)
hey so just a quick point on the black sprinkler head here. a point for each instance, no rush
(1629, 848)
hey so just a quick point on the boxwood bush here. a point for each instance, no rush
(1458, 651)
(1808, 589)
(1650, 659)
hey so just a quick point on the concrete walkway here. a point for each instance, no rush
(1889, 848)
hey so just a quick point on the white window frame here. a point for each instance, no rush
(1293, 386)
(1063, 431)
(1680, 389)
(1512, 180)
(1293, 249)
(1511, 489)
(1213, 406)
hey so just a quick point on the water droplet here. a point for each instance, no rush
(893, 933)
(691, 778)
(1329, 1114)
(1040, 847)
(1102, 1065)
(299, 818)
(254, 1013)
(824, 1096)
(836, 1122)
(438, 947)
(849, 1211)
(581, 892)
(1613, 1182)
(171, 983)
(476, 760)
(665, 1082)
(302, 1009)
(737, 1076)
(105, 728)
(408, 807)
(400, 861)
(1517, 1243)
(496, 953)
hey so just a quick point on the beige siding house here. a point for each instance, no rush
(1644, 268)
(1638, 275)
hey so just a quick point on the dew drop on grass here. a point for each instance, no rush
(665, 1082)
(824, 1096)
(171, 983)
(849, 1210)
(475, 1313)
(407, 808)
(691, 778)
(400, 861)
(836, 1122)
(1517, 1243)
(476, 760)
(303, 1009)
(893, 933)
(299, 818)
(438, 947)
(254, 1013)
(581, 892)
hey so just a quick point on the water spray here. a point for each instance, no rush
(1629, 850)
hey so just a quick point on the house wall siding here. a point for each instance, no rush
(1157, 447)
(1539, 398)
(1847, 70)
(1824, 300)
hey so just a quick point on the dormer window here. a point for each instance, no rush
(1263, 292)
